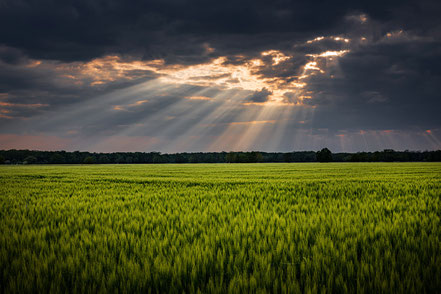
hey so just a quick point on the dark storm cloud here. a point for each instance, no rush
(176, 29)
(259, 96)
(388, 85)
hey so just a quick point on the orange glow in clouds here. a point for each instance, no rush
(125, 108)
(215, 73)
(36, 105)
(249, 75)
(106, 69)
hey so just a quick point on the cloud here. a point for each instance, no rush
(374, 97)
(259, 96)
(381, 85)
(179, 31)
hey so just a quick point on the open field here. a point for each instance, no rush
(373, 227)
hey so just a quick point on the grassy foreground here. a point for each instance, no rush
(318, 228)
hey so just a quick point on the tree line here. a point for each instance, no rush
(325, 155)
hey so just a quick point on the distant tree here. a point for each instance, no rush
(157, 158)
(389, 155)
(288, 157)
(76, 157)
(324, 155)
(193, 159)
(30, 160)
(57, 158)
(103, 159)
(434, 156)
(27, 156)
(120, 159)
(254, 156)
(180, 158)
(360, 156)
(259, 157)
(89, 160)
(231, 157)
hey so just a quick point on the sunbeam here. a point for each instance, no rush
(197, 134)
(97, 108)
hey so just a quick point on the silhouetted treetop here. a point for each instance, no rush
(325, 155)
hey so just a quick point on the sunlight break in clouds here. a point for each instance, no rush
(248, 75)
(217, 73)
(106, 69)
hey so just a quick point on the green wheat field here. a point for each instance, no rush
(217, 228)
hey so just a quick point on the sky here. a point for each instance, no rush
(231, 75)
